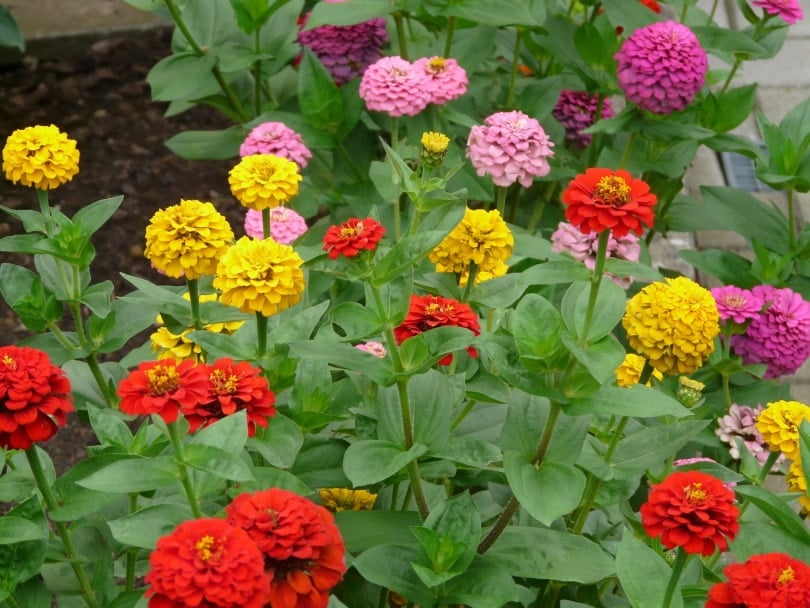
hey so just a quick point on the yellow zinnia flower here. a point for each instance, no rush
(264, 181)
(779, 424)
(673, 324)
(797, 482)
(629, 372)
(187, 239)
(343, 499)
(260, 276)
(40, 156)
(482, 238)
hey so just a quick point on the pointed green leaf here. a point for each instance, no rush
(371, 461)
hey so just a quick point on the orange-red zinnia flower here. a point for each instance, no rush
(427, 312)
(352, 236)
(34, 397)
(206, 563)
(771, 580)
(302, 547)
(693, 510)
(163, 387)
(604, 199)
(233, 387)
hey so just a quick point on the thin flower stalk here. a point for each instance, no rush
(185, 480)
(596, 282)
(675, 576)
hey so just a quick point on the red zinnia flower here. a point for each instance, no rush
(772, 580)
(652, 5)
(302, 547)
(693, 510)
(603, 199)
(427, 312)
(206, 563)
(233, 387)
(34, 397)
(352, 236)
(163, 387)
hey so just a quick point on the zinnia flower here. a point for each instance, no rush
(481, 238)
(34, 397)
(302, 547)
(163, 387)
(603, 199)
(41, 156)
(576, 111)
(741, 422)
(207, 563)
(446, 79)
(285, 224)
(427, 312)
(693, 510)
(673, 324)
(278, 139)
(434, 148)
(264, 181)
(187, 240)
(779, 425)
(629, 371)
(352, 236)
(372, 348)
(789, 10)
(770, 580)
(780, 335)
(510, 147)
(394, 86)
(797, 482)
(661, 67)
(736, 304)
(260, 276)
(343, 499)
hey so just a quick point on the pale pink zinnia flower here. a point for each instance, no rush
(789, 10)
(736, 304)
(392, 85)
(741, 422)
(372, 348)
(511, 147)
(661, 67)
(583, 247)
(576, 110)
(285, 224)
(446, 79)
(276, 138)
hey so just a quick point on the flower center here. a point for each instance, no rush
(264, 172)
(208, 548)
(613, 190)
(348, 231)
(695, 493)
(9, 362)
(786, 576)
(434, 309)
(223, 382)
(162, 379)
(734, 301)
(436, 65)
(397, 73)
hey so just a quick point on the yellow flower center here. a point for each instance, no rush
(695, 493)
(435, 308)
(222, 382)
(348, 231)
(786, 576)
(9, 362)
(436, 65)
(162, 379)
(397, 73)
(208, 548)
(613, 190)
(264, 172)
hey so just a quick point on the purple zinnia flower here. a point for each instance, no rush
(285, 224)
(741, 422)
(372, 348)
(394, 86)
(346, 50)
(789, 10)
(661, 67)
(446, 79)
(576, 110)
(780, 335)
(276, 138)
(736, 304)
(511, 147)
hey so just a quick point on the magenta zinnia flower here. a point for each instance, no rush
(736, 304)
(661, 67)
(446, 79)
(583, 247)
(511, 147)
(285, 224)
(741, 422)
(789, 10)
(276, 138)
(392, 85)
(576, 110)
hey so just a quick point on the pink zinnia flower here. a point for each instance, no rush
(576, 110)
(789, 10)
(780, 335)
(446, 79)
(346, 50)
(276, 138)
(392, 85)
(583, 247)
(685, 462)
(372, 348)
(511, 147)
(285, 224)
(661, 67)
(741, 422)
(736, 304)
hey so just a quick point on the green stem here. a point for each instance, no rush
(763, 473)
(194, 297)
(266, 223)
(537, 213)
(402, 39)
(257, 73)
(731, 74)
(712, 12)
(501, 199)
(448, 41)
(12, 602)
(261, 335)
(470, 281)
(683, 12)
(463, 414)
(109, 397)
(62, 530)
(726, 389)
(510, 93)
(628, 150)
(185, 480)
(132, 554)
(596, 282)
(61, 337)
(677, 569)
(791, 219)
(45, 208)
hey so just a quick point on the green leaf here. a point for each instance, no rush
(25, 294)
(776, 508)
(279, 443)
(22, 560)
(220, 144)
(725, 40)
(626, 268)
(216, 461)
(229, 433)
(494, 12)
(362, 530)
(607, 311)
(183, 76)
(134, 474)
(356, 11)
(485, 584)
(408, 252)
(536, 326)
(18, 530)
(650, 446)
(251, 14)
(643, 574)
(458, 519)
(355, 320)
(371, 461)
(76, 501)
(551, 273)
(731, 268)
(343, 355)
(144, 527)
(389, 566)
(638, 400)
(629, 14)
(95, 215)
(758, 537)
(470, 452)
(500, 292)
(600, 358)
(318, 95)
(10, 33)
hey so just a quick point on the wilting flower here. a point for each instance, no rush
(372, 348)
(510, 147)
(264, 181)
(285, 224)
(779, 425)
(797, 482)
(741, 422)
(260, 276)
(353, 236)
(661, 67)
(34, 397)
(693, 510)
(394, 86)
(576, 111)
(434, 148)
(41, 157)
(427, 312)
(629, 371)
(583, 247)
(737, 304)
(302, 547)
(278, 139)
(789, 10)
(207, 563)
(163, 387)
(770, 580)
(604, 199)
(343, 499)
(446, 79)
(780, 335)
(673, 324)
(187, 240)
